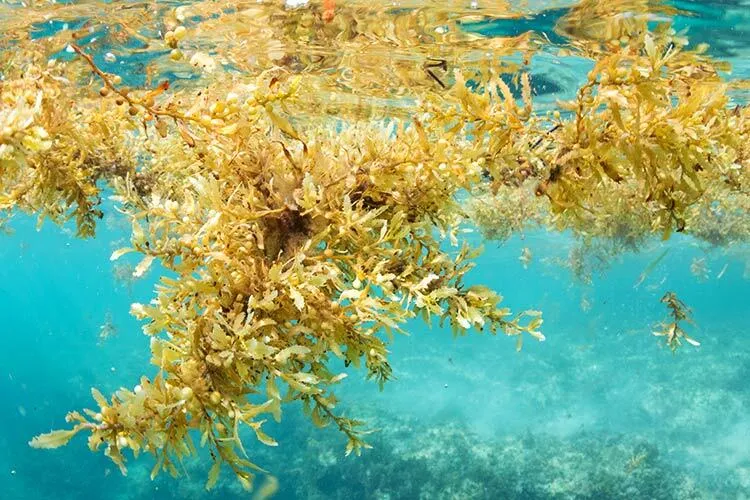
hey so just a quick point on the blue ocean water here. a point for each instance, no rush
(601, 409)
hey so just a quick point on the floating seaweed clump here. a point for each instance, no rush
(673, 330)
(289, 238)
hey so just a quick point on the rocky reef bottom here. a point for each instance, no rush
(412, 461)
(409, 461)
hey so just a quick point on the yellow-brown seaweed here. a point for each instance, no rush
(291, 238)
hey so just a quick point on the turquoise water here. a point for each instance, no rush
(602, 409)
(468, 413)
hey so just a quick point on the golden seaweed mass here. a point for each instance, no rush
(304, 177)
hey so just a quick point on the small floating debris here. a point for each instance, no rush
(723, 270)
(699, 269)
(526, 257)
(585, 304)
(646, 272)
(107, 329)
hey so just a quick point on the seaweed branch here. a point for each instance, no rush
(672, 331)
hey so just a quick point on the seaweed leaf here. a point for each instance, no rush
(54, 439)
